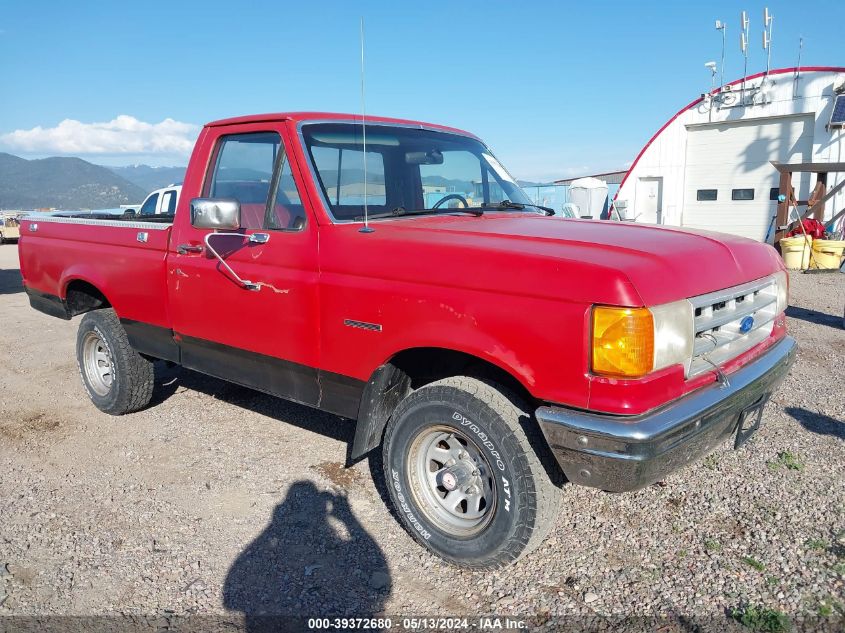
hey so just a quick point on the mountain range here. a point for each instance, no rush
(150, 178)
(62, 183)
(72, 183)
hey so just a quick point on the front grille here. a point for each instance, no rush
(718, 319)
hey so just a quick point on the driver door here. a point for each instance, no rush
(267, 337)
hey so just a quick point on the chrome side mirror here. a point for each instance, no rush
(215, 213)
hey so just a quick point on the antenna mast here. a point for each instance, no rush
(723, 27)
(797, 75)
(768, 18)
(366, 228)
(743, 45)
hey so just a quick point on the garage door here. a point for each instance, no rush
(729, 177)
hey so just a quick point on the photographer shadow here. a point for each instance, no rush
(314, 559)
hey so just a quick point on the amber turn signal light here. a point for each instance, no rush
(623, 341)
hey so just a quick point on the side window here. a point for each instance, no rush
(168, 202)
(352, 178)
(706, 195)
(742, 194)
(243, 170)
(341, 171)
(149, 206)
(287, 212)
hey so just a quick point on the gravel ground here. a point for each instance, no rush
(218, 499)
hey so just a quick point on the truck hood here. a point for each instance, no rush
(593, 261)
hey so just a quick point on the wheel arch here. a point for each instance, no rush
(412, 368)
(81, 296)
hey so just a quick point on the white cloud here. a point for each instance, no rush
(124, 135)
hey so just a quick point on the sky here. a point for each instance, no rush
(556, 89)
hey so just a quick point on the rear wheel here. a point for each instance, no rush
(462, 472)
(117, 378)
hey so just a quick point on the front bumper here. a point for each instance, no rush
(621, 453)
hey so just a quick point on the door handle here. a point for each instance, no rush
(259, 238)
(184, 249)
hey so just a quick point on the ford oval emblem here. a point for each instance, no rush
(746, 324)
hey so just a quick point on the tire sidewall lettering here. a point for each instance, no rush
(482, 436)
(405, 507)
(483, 430)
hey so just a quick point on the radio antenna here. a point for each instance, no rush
(366, 228)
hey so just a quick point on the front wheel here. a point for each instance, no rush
(463, 475)
(117, 378)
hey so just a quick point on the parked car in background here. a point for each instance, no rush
(9, 228)
(161, 201)
(485, 347)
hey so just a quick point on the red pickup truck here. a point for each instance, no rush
(395, 274)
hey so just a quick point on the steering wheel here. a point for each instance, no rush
(451, 196)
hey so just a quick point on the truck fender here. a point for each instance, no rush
(392, 380)
(386, 388)
(82, 274)
(90, 295)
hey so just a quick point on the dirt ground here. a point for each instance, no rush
(220, 499)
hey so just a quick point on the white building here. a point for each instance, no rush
(709, 166)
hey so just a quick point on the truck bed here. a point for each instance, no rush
(125, 255)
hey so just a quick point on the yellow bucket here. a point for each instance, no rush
(828, 253)
(796, 252)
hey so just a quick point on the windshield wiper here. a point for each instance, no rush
(401, 212)
(508, 204)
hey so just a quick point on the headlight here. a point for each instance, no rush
(674, 333)
(631, 342)
(782, 282)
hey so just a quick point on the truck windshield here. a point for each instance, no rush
(408, 170)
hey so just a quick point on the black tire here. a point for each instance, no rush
(130, 385)
(525, 499)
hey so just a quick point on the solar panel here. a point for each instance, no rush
(837, 117)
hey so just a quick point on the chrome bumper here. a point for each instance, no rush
(621, 453)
